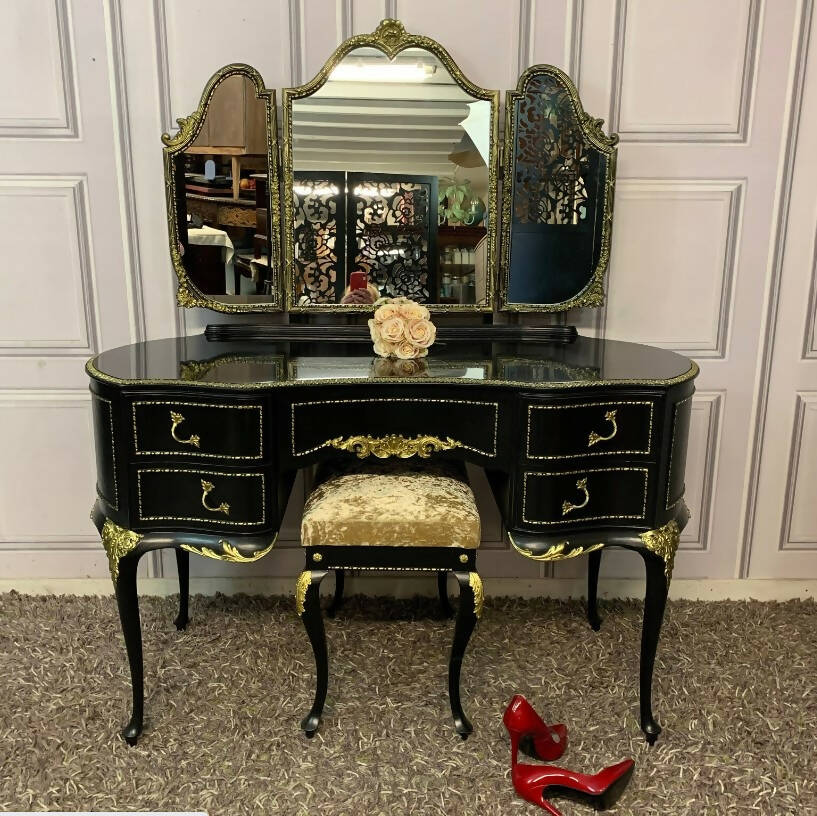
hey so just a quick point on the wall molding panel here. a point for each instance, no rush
(625, 317)
(62, 123)
(77, 259)
(802, 475)
(696, 535)
(735, 129)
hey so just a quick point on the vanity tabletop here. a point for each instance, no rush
(197, 361)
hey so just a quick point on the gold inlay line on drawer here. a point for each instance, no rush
(582, 473)
(200, 473)
(175, 452)
(115, 503)
(494, 405)
(618, 404)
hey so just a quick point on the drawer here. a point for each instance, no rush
(472, 425)
(207, 430)
(576, 496)
(604, 428)
(207, 496)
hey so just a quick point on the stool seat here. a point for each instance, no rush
(392, 506)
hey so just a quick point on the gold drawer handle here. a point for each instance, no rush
(610, 416)
(207, 488)
(568, 507)
(176, 419)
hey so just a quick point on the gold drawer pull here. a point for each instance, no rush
(176, 419)
(610, 416)
(568, 507)
(207, 488)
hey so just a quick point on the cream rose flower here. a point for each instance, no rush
(384, 349)
(374, 331)
(406, 350)
(386, 311)
(421, 333)
(413, 311)
(393, 329)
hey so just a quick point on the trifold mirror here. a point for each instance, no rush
(390, 187)
(221, 179)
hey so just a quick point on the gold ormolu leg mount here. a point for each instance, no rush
(657, 548)
(124, 549)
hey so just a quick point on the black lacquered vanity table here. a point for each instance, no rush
(198, 444)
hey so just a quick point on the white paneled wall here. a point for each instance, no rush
(713, 246)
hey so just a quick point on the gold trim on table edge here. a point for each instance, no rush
(593, 292)
(384, 447)
(475, 582)
(391, 38)
(689, 374)
(301, 586)
(118, 542)
(229, 552)
(556, 552)
(664, 543)
(188, 295)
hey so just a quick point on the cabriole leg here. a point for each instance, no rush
(183, 566)
(470, 609)
(442, 591)
(308, 606)
(337, 599)
(655, 602)
(128, 602)
(593, 567)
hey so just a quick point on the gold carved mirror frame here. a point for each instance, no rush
(593, 293)
(188, 294)
(391, 38)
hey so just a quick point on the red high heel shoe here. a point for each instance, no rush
(534, 736)
(532, 782)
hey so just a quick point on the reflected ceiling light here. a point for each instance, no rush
(382, 72)
(318, 189)
(367, 192)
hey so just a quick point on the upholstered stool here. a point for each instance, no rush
(391, 516)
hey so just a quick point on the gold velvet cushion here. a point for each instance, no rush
(392, 504)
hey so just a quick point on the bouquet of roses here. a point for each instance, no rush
(401, 328)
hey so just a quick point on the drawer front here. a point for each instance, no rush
(604, 428)
(210, 497)
(208, 430)
(472, 425)
(577, 496)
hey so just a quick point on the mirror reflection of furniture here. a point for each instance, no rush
(393, 115)
(558, 197)
(222, 185)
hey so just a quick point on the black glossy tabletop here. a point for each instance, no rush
(537, 364)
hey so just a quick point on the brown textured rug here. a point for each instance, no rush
(736, 693)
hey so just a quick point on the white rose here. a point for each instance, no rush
(406, 350)
(384, 349)
(413, 311)
(392, 329)
(386, 311)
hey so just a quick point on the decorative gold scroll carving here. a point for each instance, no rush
(475, 582)
(557, 551)
(229, 552)
(301, 586)
(664, 543)
(385, 447)
(118, 542)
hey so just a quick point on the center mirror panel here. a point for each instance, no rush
(390, 179)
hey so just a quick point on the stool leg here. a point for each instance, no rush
(183, 566)
(442, 591)
(309, 607)
(470, 608)
(592, 590)
(337, 600)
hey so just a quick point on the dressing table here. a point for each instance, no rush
(199, 439)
